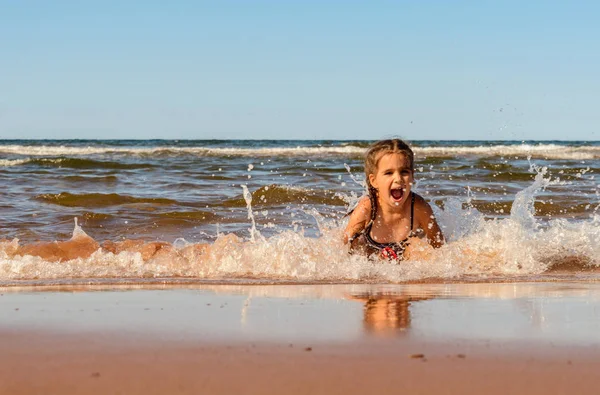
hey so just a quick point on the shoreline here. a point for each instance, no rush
(530, 338)
(589, 275)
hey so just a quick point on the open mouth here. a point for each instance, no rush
(397, 193)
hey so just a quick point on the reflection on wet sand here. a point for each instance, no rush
(565, 313)
(386, 314)
(266, 289)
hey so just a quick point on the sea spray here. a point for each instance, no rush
(254, 233)
(77, 231)
(358, 180)
(513, 246)
(478, 248)
(352, 198)
(458, 222)
(289, 256)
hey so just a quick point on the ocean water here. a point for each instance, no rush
(255, 211)
(542, 313)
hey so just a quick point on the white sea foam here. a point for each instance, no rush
(497, 248)
(157, 151)
(550, 151)
(516, 246)
(13, 162)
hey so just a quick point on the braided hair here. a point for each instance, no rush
(372, 157)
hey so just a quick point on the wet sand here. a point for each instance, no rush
(352, 339)
(34, 363)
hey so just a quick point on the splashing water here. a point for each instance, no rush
(254, 233)
(476, 248)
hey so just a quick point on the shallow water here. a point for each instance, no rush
(509, 210)
(566, 313)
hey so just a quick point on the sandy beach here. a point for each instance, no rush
(347, 339)
(39, 363)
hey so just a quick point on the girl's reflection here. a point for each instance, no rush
(386, 314)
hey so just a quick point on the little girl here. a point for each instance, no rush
(393, 216)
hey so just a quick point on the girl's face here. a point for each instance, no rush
(393, 179)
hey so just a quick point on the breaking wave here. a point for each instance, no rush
(548, 151)
(503, 249)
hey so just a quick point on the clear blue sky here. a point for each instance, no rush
(300, 69)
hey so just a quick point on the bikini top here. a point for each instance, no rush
(364, 241)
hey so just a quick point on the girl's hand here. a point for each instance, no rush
(418, 249)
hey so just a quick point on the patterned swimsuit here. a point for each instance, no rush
(364, 243)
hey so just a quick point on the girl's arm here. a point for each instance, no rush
(426, 221)
(359, 217)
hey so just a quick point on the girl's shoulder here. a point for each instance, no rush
(425, 220)
(422, 207)
(359, 217)
(420, 200)
(362, 208)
